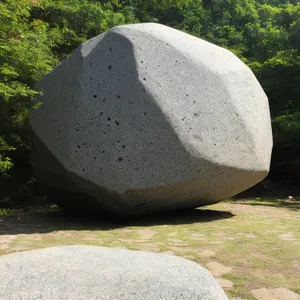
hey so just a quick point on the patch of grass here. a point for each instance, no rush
(275, 202)
(7, 212)
(239, 289)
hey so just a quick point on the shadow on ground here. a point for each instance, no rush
(271, 194)
(292, 204)
(56, 220)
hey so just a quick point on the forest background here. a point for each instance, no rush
(35, 35)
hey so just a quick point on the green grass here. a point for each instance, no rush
(7, 212)
(244, 235)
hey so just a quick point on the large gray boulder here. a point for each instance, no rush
(90, 272)
(145, 118)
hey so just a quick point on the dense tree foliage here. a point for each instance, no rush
(36, 34)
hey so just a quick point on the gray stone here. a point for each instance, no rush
(145, 118)
(90, 272)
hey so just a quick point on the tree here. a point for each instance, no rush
(25, 56)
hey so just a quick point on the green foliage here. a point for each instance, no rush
(7, 212)
(36, 34)
(24, 58)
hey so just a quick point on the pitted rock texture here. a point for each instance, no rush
(89, 272)
(145, 118)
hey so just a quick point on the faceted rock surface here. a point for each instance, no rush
(145, 118)
(90, 272)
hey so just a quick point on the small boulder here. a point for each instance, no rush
(90, 272)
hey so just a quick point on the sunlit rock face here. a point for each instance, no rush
(145, 118)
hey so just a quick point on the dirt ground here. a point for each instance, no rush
(252, 247)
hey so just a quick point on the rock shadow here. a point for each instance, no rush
(57, 220)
